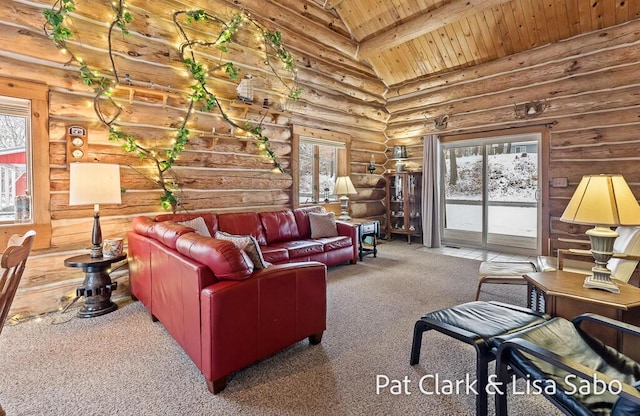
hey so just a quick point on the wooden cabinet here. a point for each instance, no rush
(404, 204)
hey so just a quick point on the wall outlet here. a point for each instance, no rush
(559, 182)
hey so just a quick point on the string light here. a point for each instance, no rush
(200, 90)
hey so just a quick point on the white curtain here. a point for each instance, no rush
(431, 192)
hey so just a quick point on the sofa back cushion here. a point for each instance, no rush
(279, 226)
(168, 232)
(210, 219)
(302, 219)
(143, 226)
(226, 261)
(243, 223)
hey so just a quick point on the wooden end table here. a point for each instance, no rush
(560, 293)
(97, 285)
(367, 229)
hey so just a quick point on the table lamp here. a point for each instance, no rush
(603, 201)
(94, 183)
(399, 155)
(344, 187)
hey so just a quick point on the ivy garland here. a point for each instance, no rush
(200, 92)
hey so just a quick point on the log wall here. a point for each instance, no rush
(590, 84)
(218, 172)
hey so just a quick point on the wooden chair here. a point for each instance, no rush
(13, 261)
(567, 365)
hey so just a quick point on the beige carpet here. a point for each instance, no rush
(124, 364)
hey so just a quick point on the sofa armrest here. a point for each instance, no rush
(350, 230)
(244, 321)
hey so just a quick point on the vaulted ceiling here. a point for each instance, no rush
(408, 39)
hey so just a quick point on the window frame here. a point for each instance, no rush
(38, 94)
(344, 157)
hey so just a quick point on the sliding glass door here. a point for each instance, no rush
(490, 193)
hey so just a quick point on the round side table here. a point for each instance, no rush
(97, 285)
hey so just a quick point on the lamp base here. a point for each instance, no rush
(344, 209)
(96, 252)
(593, 282)
(96, 235)
(602, 239)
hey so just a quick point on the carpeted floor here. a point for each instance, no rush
(125, 364)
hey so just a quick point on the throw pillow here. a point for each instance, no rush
(197, 224)
(249, 244)
(323, 224)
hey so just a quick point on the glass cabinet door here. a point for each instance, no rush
(414, 202)
(404, 204)
(396, 202)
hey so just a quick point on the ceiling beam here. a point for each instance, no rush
(425, 23)
(331, 4)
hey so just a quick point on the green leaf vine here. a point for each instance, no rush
(200, 93)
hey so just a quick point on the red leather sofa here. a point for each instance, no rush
(222, 311)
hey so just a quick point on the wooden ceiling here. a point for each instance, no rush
(407, 39)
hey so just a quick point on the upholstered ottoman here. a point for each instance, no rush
(478, 324)
(503, 272)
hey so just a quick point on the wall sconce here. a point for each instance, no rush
(530, 110)
(94, 184)
(372, 165)
(399, 154)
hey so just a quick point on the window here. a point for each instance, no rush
(24, 161)
(319, 158)
(490, 192)
(15, 183)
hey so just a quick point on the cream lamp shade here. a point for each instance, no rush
(344, 187)
(94, 184)
(603, 201)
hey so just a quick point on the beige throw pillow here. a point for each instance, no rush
(249, 244)
(197, 224)
(323, 224)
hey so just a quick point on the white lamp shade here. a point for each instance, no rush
(94, 183)
(344, 186)
(603, 200)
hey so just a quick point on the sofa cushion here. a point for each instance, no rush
(168, 232)
(279, 226)
(302, 219)
(276, 255)
(323, 224)
(143, 226)
(243, 223)
(226, 261)
(300, 248)
(210, 219)
(197, 224)
(335, 243)
(247, 243)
